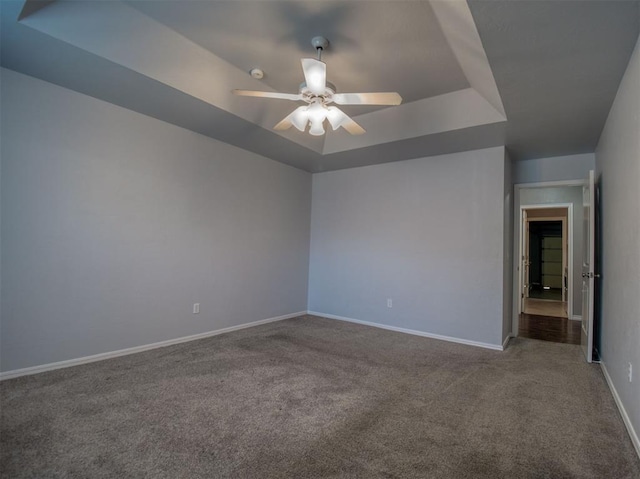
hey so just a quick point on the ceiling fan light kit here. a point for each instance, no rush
(318, 94)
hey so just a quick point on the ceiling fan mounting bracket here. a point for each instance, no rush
(319, 42)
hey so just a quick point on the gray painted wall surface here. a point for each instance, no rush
(114, 224)
(565, 194)
(557, 168)
(618, 167)
(507, 274)
(427, 233)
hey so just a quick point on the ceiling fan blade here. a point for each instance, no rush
(337, 118)
(382, 98)
(353, 128)
(297, 118)
(315, 74)
(284, 124)
(268, 94)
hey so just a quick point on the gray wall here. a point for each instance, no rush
(427, 233)
(507, 274)
(564, 194)
(114, 224)
(618, 167)
(556, 168)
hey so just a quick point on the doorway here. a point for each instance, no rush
(547, 269)
(546, 273)
(578, 327)
(546, 257)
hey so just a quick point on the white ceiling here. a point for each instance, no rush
(558, 65)
(538, 76)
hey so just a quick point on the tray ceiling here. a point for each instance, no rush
(179, 60)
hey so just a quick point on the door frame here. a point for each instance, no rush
(516, 254)
(569, 259)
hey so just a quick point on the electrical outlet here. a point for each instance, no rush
(389, 303)
(630, 372)
(196, 308)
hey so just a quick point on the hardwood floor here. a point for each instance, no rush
(548, 328)
(543, 307)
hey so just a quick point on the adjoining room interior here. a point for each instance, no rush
(548, 242)
(285, 239)
(548, 252)
(547, 274)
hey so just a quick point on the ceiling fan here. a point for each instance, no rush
(318, 94)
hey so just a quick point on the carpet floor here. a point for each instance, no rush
(312, 397)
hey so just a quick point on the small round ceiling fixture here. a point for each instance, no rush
(257, 73)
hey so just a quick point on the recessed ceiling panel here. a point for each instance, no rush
(374, 46)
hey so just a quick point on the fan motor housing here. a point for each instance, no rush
(308, 96)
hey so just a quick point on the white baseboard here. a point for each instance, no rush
(625, 417)
(137, 349)
(575, 317)
(496, 347)
(506, 341)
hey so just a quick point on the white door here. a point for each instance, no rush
(524, 267)
(565, 256)
(588, 256)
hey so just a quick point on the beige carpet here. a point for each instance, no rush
(311, 397)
